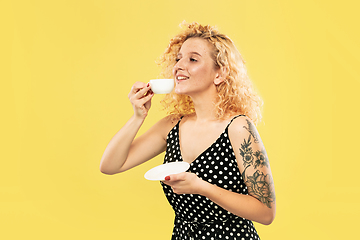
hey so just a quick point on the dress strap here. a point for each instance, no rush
(180, 119)
(234, 119)
(178, 123)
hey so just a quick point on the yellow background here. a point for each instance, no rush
(66, 68)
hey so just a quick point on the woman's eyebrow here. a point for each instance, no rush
(196, 53)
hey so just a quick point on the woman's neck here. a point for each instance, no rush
(205, 107)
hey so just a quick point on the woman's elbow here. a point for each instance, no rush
(106, 170)
(268, 218)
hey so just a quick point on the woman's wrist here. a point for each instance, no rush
(137, 119)
(204, 187)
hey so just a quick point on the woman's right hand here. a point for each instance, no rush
(140, 98)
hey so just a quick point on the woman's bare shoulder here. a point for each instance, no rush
(240, 124)
(165, 124)
(169, 120)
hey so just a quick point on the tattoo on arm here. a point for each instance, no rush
(262, 187)
(261, 159)
(252, 130)
(246, 152)
(259, 185)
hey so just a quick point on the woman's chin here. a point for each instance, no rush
(178, 90)
(183, 90)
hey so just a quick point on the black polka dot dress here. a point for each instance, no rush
(197, 217)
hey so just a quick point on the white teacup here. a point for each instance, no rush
(162, 86)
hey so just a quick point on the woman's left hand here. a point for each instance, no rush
(185, 183)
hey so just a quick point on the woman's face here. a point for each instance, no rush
(195, 70)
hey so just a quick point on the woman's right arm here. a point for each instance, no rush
(123, 152)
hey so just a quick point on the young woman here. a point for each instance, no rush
(211, 125)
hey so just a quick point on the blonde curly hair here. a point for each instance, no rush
(236, 94)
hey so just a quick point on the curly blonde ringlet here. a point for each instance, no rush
(236, 93)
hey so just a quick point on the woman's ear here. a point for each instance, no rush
(221, 75)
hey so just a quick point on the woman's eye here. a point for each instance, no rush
(193, 60)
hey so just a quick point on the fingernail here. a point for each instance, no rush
(148, 85)
(167, 178)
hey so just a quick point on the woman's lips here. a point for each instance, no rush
(180, 78)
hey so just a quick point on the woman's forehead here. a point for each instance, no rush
(196, 46)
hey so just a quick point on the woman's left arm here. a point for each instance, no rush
(254, 165)
(259, 205)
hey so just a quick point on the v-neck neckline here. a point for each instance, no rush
(216, 140)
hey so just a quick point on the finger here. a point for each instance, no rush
(169, 183)
(150, 91)
(138, 86)
(175, 190)
(145, 99)
(143, 92)
(173, 187)
(168, 180)
(175, 177)
(138, 93)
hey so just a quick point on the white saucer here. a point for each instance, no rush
(159, 173)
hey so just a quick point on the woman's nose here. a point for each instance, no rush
(178, 66)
